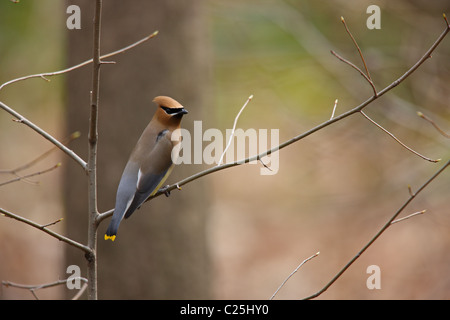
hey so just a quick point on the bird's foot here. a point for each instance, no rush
(165, 190)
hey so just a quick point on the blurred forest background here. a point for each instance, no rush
(234, 234)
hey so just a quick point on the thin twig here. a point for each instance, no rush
(265, 166)
(19, 178)
(409, 216)
(43, 133)
(442, 132)
(357, 47)
(29, 164)
(380, 232)
(81, 291)
(293, 272)
(334, 109)
(52, 223)
(396, 139)
(411, 193)
(34, 288)
(38, 226)
(82, 64)
(356, 68)
(234, 128)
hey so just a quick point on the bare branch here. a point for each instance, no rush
(265, 166)
(396, 139)
(82, 64)
(411, 193)
(380, 232)
(442, 132)
(409, 216)
(46, 230)
(81, 291)
(52, 223)
(27, 165)
(19, 178)
(293, 272)
(92, 156)
(43, 133)
(359, 50)
(34, 288)
(356, 68)
(334, 109)
(234, 128)
(106, 214)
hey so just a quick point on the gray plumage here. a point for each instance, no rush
(150, 162)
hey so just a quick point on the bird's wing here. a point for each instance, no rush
(124, 197)
(152, 175)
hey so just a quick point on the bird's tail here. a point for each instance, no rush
(111, 232)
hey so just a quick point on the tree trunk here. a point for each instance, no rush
(160, 252)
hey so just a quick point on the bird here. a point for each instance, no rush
(150, 162)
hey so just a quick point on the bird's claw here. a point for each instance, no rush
(165, 190)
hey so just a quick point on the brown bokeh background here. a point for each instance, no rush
(235, 234)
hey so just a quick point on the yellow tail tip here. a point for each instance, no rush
(112, 238)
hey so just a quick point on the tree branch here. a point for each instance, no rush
(92, 157)
(234, 128)
(380, 232)
(442, 132)
(82, 64)
(62, 147)
(357, 69)
(359, 51)
(325, 124)
(44, 228)
(29, 164)
(409, 216)
(19, 178)
(334, 109)
(397, 140)
(293, 272)
(34, 288)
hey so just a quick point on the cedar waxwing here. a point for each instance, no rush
(149, 164)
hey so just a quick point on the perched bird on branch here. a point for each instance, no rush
(150, 163)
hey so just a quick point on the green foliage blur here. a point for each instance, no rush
(32, 41)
